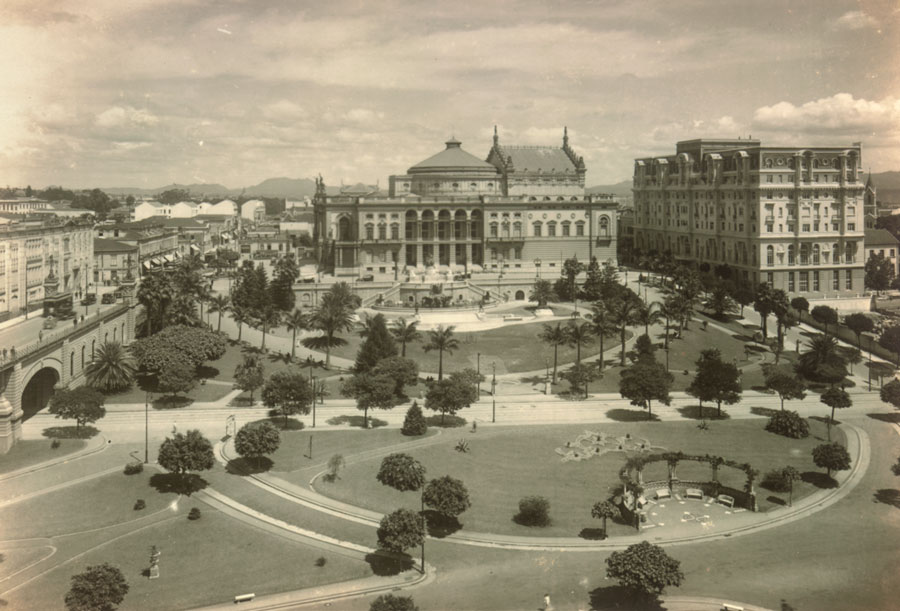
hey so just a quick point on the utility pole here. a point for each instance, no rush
(147, 428)
(494, 392)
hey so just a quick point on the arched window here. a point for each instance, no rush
(505, 229)
(604, 227)
(836, 253)
(517, 229)
(473, 186)
(382, 232)
(804, 254)
(395, 231)
(538, 229)
(815, 254)
(791, 255)
(849, 253)
(493, 228)
(344, 229)
(770, 255)
(370, 232)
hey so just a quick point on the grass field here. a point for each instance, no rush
(32, 451)
(503, 466)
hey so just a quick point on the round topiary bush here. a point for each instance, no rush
(133, 468)
(194, 513)
(414, 423)
(139, 504)
(776, 481)
(389, 602)
(533, 511)
(788, 424)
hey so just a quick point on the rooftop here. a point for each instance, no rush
(105, 245)
(880, 237)
(453, 159)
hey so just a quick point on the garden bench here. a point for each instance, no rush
(727, 607)
(243, 598)
(663, 493)
(694, 493)
(725, 500)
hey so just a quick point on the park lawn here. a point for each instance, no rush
(31, 452)
(202, 562)
(99, 502)
(201, 393)
(17, 559)
(504, 465)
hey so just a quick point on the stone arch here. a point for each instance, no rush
(520, 295)
(38, 384)
(345, 228)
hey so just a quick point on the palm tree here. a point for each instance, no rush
(556, 337)
(241, 317)
(267, 318)
(670, 310)
(333, 316)
(442, 340)
(822, 361)
(624, 312)
(155, 294)
(112, 368)
(296, 321)
(579, 335)
(649, 314)
(220, 304)
(404, 333)
(602, 325)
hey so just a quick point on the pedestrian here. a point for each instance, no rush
(547, 604)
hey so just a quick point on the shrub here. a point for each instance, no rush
(321, 561)
(788, 424)
(55, 443)
(462, 446)
(139, 504)
(534, 511)
(389, 602)
(194, 513)
(133, 468)
(776, 481)
(414, 423)
(335, 464)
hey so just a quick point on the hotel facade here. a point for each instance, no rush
(791, 217)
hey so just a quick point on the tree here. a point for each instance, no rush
(414, 423)
(716, 380)
(249, 374)
(859, 323)
(571, 268)
(173, 196)
(296, 321)
(533, 511)
(468, 379)
(784, 318)
(379, 344)
(256, 439)
(370, 391)
(405, 333)
(784, 382)
(801, 305)
(835, 398)
(333, 316)
(624, 311)
(822, 362)
(401, 472)
(890, 393)
(288, 392)
(389, 602)
(267, 318)
(824, 315)
(879, 272)
(220, 304)
(579, 334)
(100, 587)
(542, 293)
(400, 530)
(447, 496)
(155, 293)
(241, 316)
(744, 296)
(790, 475)
(448, 397)
(763, 303)
(602, 326)
(579, 376)
(404, 372)
(176, 375)
(720, 302)
(645, 381)
(196, 344)
(890, 339)
(831, 457)
(788, 424)
(644, 569)
(442, 340)
(184, 452)
(82, 404)
(111, 369)
(605, 510)
(556, 337)
(281, 288)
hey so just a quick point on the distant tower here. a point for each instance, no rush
(870, 201)
(496, 137)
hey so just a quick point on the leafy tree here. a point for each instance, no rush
(249, 374)
(788, 424)
(720, 302)
(890, 339)
(401, 472)
(414, 424)
(256, 439)
(442, 340)
(644, 569)
(716, 380)
(890, 393)
(764, 303)
(100, 587)
(823, 361)
(155, 293)
(570, 270)
(281, 288)
(333, 316)
(534, 511)
(859, 323)
(879, 272)
(542, 293)
(579, 376)
(447, 496)
(643, 347)
(624, 311)
(111, 369)
(831, 457)
(173, 196)
(379, 344)
(184, 452)
(448, 397)
(743, 295)
(195, 344)
(605, 510)
(800, 304)
(389, 602)
(824, 315)
(645, 381)
(790, 475)
(556, 336)
(895, 468)
(400, 530)
(219, 304)
(288, 392)
(371, 391)
(835, 398)
(82, 404)
(405, 333)
(470, 379)
(404, 372)
(176, 375)
(784, 382)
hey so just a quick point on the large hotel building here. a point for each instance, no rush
(790, 217)
(520, 208)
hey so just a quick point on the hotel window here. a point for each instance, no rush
(770, 278)
(382, 232)
(517, 229)
(804, 282)
(851, 226)
(566, 229)
(790, 227)
(579, 229)
(493, 230)
(395, 232)
(836, 280)
(815, 281)
(537, 230)
(805, 228)
(551, 229)
(770, 227)
(370, 232)
(768, 178)
(849, 283)
(770, 255)
(790, 253)
(815, 254)
(791, 282)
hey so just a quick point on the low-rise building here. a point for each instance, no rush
(253, 210)
(113, 260)
(882, 242)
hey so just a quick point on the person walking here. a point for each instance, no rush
(547, 605)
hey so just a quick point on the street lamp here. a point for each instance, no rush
(547, 377)
(537, 265)
(494, 392)
(147, 427)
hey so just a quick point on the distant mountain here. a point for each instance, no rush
(290, 188)
(887, 185)
(195, 189)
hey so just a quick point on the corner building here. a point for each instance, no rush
(789, 217)
(523, 208)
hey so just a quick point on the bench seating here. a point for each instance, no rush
(725, 500)
(663, 493)
(694, 493)
(727, 607)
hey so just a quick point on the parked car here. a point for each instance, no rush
(367, 278)
(108, 298)
(49, 323)
(89, 299)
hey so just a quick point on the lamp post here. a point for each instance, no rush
(478, 371)
(547, 377)
(537, 265)
(494, 392)
(424, 532)
(312, 383)
(147, 428)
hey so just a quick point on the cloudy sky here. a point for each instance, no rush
(147, 92)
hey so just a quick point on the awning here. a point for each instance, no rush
(169, 258)
(195, 247)
(156, 261)
(146, 264)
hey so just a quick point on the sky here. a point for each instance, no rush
(143, 93)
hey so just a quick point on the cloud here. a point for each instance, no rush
(363, 115)
(284, 112)
(122, 116)
(854, 20)
(840, 113)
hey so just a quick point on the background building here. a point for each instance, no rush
(882, 242)
(791, 217)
